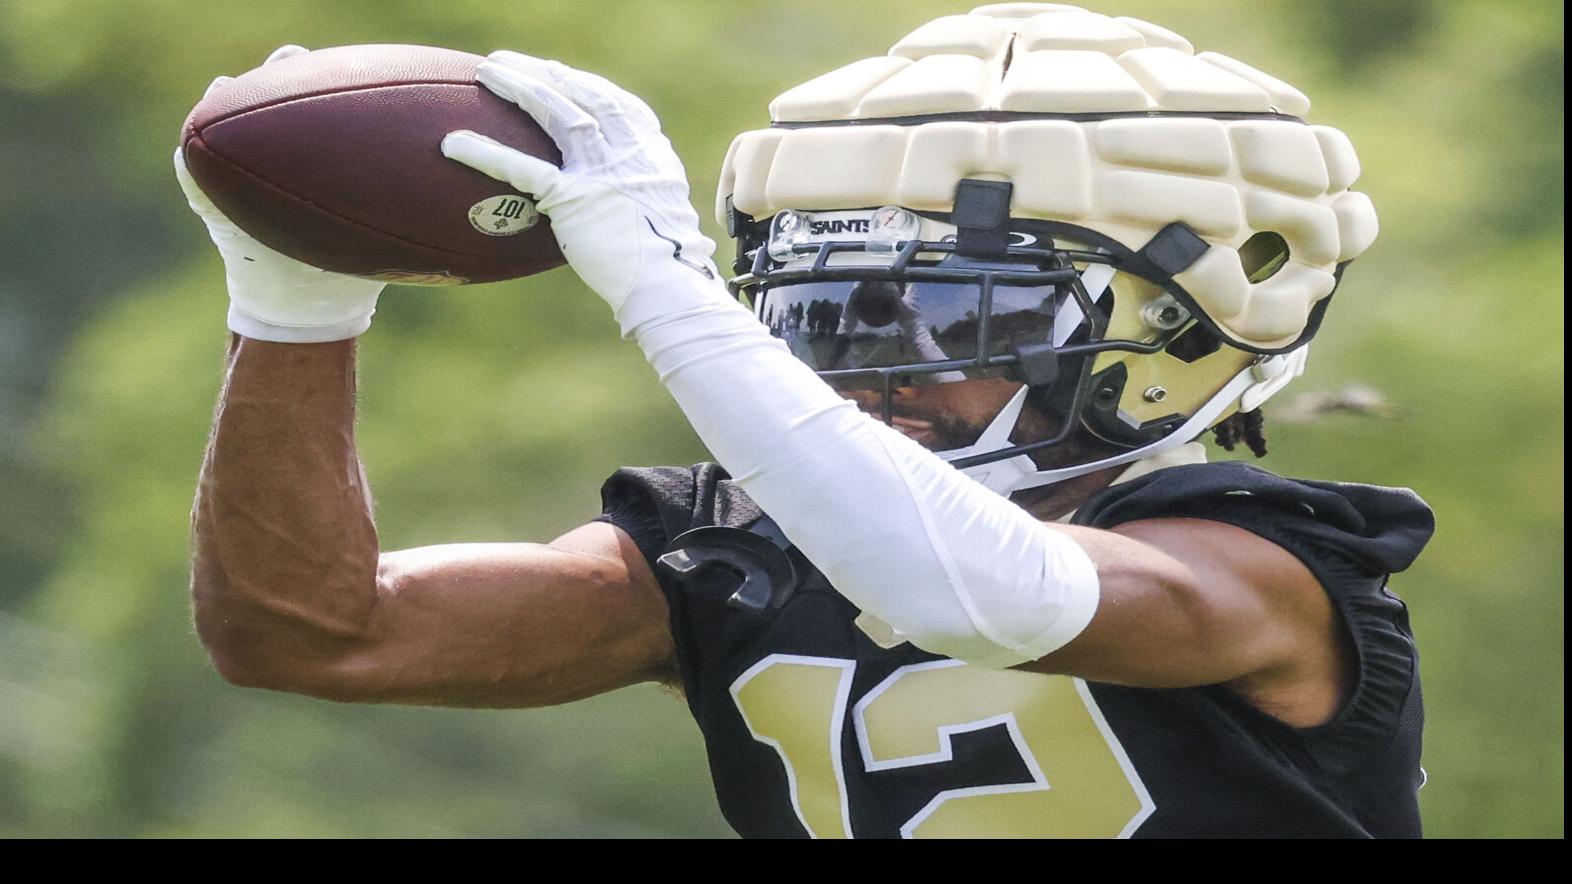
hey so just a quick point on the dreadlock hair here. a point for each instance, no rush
(1248, 427)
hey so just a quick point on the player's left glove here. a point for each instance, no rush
(619, 205)
(273, 297)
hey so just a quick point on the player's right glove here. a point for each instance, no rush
(273, 297)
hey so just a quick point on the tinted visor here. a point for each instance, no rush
(839, 326)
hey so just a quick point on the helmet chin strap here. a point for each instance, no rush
(1253, 385)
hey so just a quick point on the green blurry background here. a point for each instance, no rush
(494, 413)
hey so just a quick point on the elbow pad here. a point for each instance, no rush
(951, 566)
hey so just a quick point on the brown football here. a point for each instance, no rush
(334, 158)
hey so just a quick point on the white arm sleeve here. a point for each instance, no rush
(945, 562)
(952, 566)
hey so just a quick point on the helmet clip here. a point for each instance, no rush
(1036, 364)
(982, 218)
(1174, 249)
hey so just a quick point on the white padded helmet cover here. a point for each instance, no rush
(1126, 177)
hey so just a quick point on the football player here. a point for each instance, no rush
(962, 567)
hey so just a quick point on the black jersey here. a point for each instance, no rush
(813, 729)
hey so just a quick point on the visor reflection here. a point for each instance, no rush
(835, 326)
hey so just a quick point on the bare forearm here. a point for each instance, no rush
(286, 551)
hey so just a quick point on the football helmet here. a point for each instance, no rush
(1144, 238)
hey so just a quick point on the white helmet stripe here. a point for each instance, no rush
(1096, 280)
(1019, 473)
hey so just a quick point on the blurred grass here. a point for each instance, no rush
(494, 413)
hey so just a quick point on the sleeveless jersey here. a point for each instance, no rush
(812, 729)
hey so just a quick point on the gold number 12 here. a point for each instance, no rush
(1082, 785)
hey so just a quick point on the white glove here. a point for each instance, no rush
(619, 205)
(950, 565)
(273, 297)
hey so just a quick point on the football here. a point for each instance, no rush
(333, 158)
